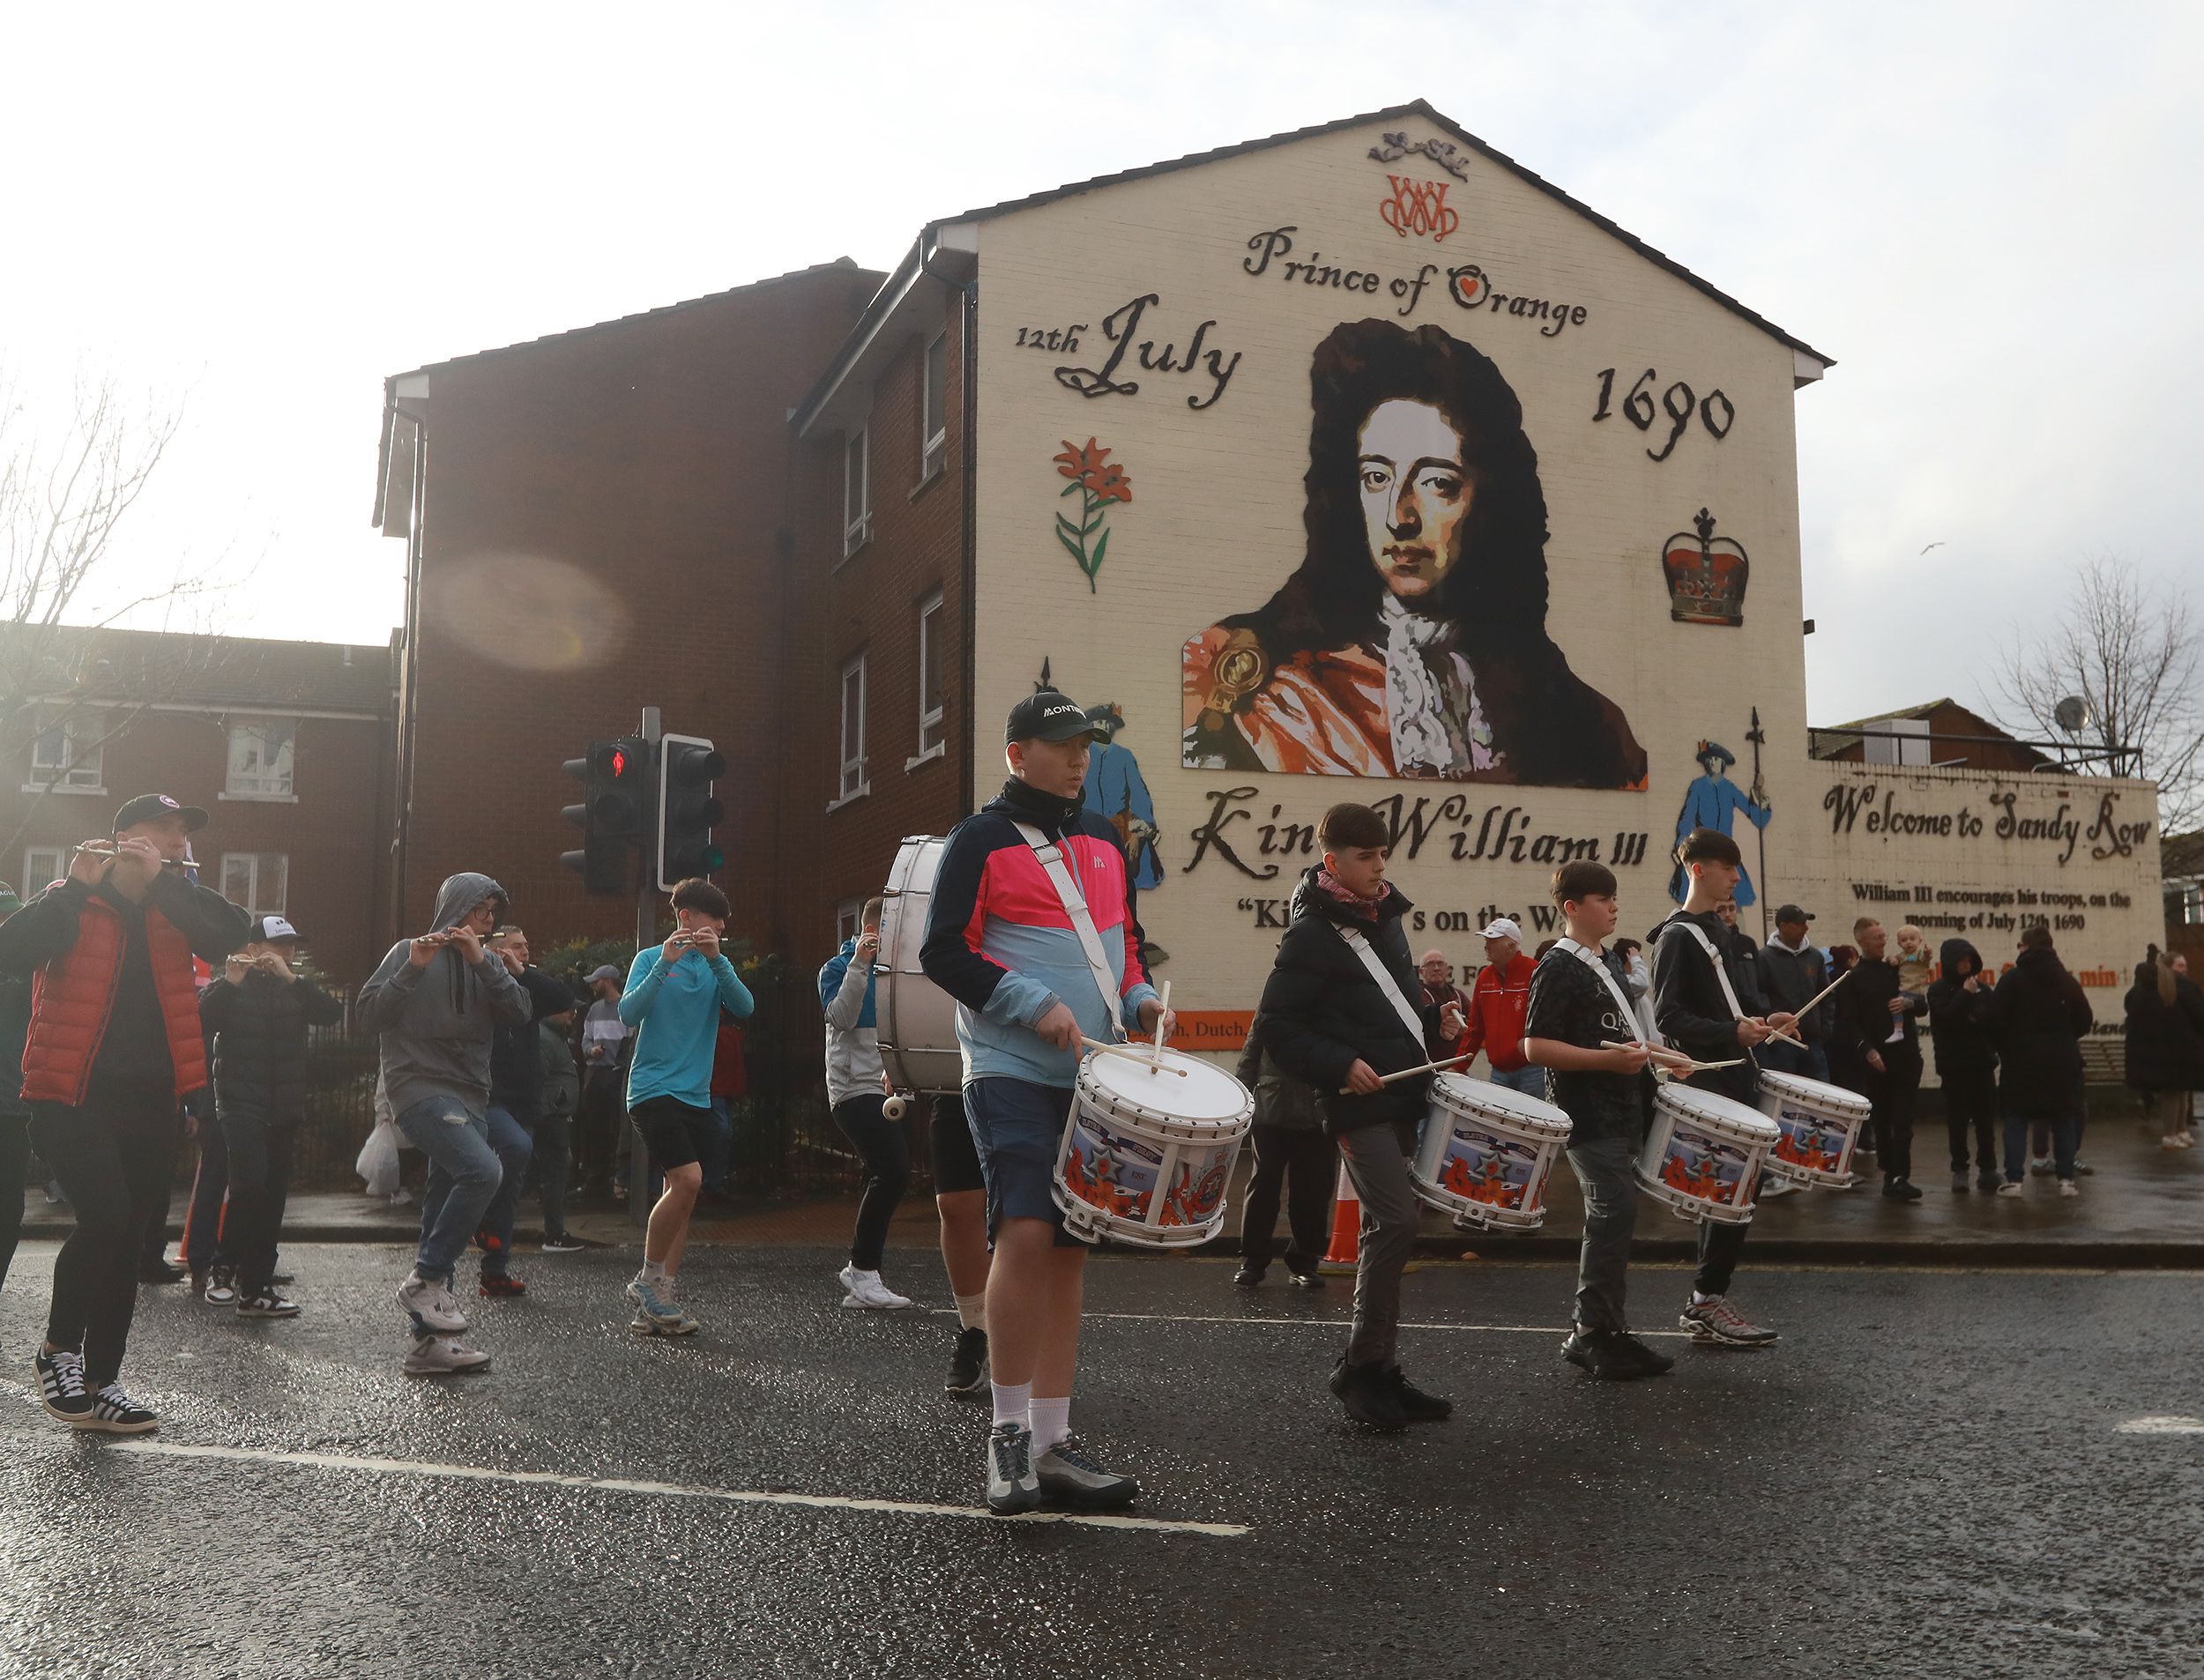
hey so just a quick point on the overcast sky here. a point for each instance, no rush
(266, 211)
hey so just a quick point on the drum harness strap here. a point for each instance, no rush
(1052, 861)
(1372, 961)
(1591, 959)
(1720, 974)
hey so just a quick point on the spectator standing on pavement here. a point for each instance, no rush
(1339, 1000)
(555, 1130)
(1791, 972)
(1440, 991)
(257, 1014)
(1294, 1155)
(2165, 1046)
(436, 1001)
(112, 1050)
(15, 1118)
(1498, 1003)
(673, 999)
(601, 1122)
(857, 1091)
(1966, 1061)
(1021, 884)
(2037, 1015)
(1877, 1020)
(515, 1106)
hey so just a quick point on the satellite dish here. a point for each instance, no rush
(2072, 713)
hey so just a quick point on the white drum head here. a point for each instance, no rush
(1798, 1088)
(1723, 1115)
(1485, 1100)
(1206, 1092)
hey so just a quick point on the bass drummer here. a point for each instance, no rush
(1031, 929)
(1337, 1003)
(1696, 1006)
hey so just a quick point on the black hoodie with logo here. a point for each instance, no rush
(1958, 1020)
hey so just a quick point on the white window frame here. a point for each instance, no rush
(857, 490)
(852, 784)
(849, 916)
(285, 795)
(71, 774)
(933, 737)
(255, 863)
(933, 440)
(36, 880)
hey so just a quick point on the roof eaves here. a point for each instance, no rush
(1422, 108)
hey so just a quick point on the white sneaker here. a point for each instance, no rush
(443, 1357)
(2171, 1141)
(867, 1290)
(2068, 1188)
(2188, 1139)
(2012, 1189)
(433, 1304)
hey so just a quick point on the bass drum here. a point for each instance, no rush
(917, 1020)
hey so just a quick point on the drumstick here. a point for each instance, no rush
(1695, 1067)
(1410, 1072)
(1156, 1056)
(1801, 1013)
(1138, 1053)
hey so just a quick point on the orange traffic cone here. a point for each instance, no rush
(1347, 1225)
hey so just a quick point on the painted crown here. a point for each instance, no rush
(1705, 575)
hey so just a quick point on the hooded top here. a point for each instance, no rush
(436, 1022)
(852, 1039)
(1958, 1020)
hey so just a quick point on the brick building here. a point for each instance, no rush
(286, 744)
(1938, 732)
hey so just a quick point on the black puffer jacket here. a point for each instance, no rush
(1958, 1020)
(1323, 1011)
(2037, 1016)
(2166, 1041)
(258, 1027)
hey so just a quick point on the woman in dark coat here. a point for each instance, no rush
(2165, 1046)
(2038, 1015)
(1292, 1156)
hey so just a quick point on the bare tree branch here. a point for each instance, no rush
(2132, 653)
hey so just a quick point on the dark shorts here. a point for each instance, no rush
(677, 1135)
(1018, 1126)
(956, 1156)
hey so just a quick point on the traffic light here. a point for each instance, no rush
(687, 811)
(615, 778)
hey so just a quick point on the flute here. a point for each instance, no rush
(108, 850)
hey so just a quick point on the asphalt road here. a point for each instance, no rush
(1929, 1476)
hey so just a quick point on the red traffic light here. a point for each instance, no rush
(619, 762)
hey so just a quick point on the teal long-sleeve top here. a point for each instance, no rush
(674, 1008)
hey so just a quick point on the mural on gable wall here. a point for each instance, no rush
(1117, 792)
(1411, 639)
(1712, 800)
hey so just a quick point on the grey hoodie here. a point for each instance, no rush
(436, 1022)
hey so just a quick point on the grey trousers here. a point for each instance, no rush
(1606, 1167)
(1377, 1161)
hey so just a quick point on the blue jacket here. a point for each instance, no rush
(675, 1010)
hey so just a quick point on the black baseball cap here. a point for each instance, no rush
(1047, 716)
(150, 808)
(1792, 913)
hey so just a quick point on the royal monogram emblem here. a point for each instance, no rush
(1418, 207)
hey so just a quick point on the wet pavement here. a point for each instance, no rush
(1938, 1472)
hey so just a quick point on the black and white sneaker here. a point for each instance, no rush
(117, 1414)
(1013, 1487)
(1068, 1475)
(266, 1303)
(968, 1366)
(221, 1286)
(561, 1244)
(61, 1385)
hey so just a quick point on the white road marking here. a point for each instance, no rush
(662, 1490)
(2159, 1426)
(1337, 1324)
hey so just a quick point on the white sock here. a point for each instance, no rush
(972, 1311)
(1012, 1400)
(1051, 1422)
(652, 1271)
(1697, 1299)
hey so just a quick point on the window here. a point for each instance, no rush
(256, 881)
(857, 493)
(848, 918)
(853, 783)
(2190, 898)
(260, 758)
(66, 753)
(43, 866)
(934, 411)
(931, 683)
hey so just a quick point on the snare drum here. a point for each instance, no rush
(1703, 1157)
(1819, 1124)
(917, 1020)
(1148, 1151)
(1487, 1154)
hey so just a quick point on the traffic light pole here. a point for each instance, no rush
(646, 927)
